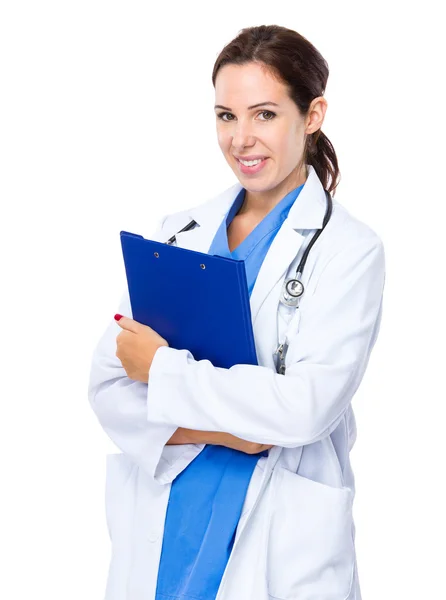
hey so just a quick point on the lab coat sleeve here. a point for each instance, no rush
(325, 363)
(120, 404)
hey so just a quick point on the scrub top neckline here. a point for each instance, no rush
(272, 220)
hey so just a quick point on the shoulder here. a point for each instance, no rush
(345, 230)
(348, 249)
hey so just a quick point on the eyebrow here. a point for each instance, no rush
(249, 107)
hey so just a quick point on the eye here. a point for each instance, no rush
(269, 112)
(220, 115)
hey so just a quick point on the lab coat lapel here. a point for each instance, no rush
(198, 238)
(307, 212)
(281, 253)
(208, 217)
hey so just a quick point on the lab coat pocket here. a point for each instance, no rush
(311, 553)
(119, 471)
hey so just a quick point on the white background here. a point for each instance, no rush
(107, 124)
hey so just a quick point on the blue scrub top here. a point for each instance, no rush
(206, 499)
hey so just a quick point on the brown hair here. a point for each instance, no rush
(294, 61)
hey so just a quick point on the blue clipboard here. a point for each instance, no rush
(194, 300)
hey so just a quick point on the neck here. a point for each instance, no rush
(259, 204)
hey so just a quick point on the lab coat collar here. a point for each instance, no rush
(307, 212)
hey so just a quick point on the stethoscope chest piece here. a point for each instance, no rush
(291, 292)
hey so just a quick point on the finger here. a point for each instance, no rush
(127, 323)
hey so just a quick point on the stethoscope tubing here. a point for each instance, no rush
(190, 225)
(327, 216)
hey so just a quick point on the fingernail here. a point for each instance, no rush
(118, 316)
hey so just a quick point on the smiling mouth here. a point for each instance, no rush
(253, 169)
(260, 159)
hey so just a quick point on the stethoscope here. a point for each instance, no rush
(293, 288)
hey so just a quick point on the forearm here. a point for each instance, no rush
(193, 436)
(183, 436)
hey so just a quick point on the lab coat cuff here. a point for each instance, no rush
(168, 360)
(167, 462)
(166, 365)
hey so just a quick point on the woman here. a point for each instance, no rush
(236, 483)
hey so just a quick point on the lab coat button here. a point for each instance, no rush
(153, 536)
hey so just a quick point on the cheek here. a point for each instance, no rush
(279, 140)
(290, 149)
(223, 139)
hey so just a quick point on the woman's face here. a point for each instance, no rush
(276, 131)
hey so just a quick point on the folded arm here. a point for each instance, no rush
(120, 404)
(325, 363)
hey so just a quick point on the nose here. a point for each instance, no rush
(242, 135)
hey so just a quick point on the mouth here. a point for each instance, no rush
(250, 170)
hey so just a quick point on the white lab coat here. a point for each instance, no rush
(296, 535)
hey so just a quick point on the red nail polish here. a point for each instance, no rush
(118, 316)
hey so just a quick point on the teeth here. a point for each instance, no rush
(251, 163)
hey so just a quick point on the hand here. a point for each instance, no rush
(136, 347)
